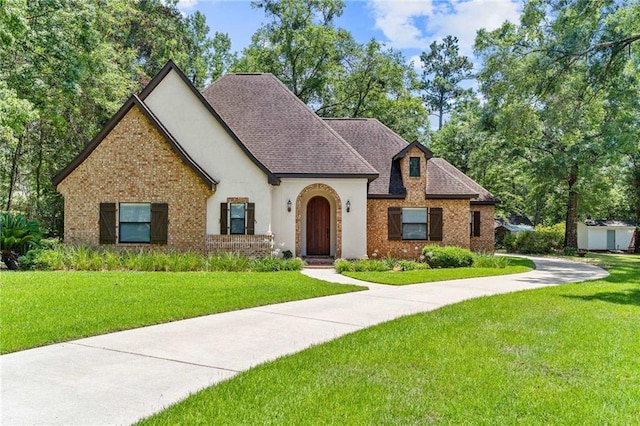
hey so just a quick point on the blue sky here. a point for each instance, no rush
(407, 25)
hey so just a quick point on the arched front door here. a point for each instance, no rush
(318, 226)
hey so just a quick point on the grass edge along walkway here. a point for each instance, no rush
(561, 354)
(517, 265)
(41, 308)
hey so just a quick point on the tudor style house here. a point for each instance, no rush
(245, 166)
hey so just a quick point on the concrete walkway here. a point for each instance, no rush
(121, 377)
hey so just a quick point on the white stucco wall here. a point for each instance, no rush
(354, 223)
(208, 143)
(595, 237)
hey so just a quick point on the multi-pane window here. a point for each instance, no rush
(237, 218)
(135, 222)
(414, 224)
(414, 166)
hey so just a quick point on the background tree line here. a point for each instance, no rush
(553, 131)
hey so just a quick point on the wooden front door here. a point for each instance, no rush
(318, 227)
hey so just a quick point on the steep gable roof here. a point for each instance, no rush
(382, 148)
(173, 143)
(281, 131)
(170, 66)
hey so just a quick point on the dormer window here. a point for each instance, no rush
(414, 166)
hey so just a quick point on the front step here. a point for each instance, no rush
(319, 261)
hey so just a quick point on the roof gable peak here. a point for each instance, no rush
(415, 144)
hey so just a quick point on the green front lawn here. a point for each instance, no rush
(516, 265)
(559, 355)
(39, 308)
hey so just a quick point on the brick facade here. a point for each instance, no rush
(134, 163)
(485, 242)
(455, 230)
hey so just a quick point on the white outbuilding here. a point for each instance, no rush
(605, 234)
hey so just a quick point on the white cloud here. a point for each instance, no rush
(416, 23)
(187, 5)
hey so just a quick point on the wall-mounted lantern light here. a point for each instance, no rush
(348, 206)
(289, 205)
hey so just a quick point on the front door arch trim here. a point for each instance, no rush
(327, 192)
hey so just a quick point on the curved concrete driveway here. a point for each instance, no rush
(120, 377)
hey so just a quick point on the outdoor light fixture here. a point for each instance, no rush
(289, 205)
(348, 206)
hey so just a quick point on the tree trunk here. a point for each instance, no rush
(14, 173)
(571, 231)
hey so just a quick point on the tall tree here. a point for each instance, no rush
(300, 45)
(374, 81)
(551, 95)
(443, 69)
(65, 68)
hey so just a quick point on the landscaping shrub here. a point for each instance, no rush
(85, 258)
(447, 256)
(273, 264)
(229, 262)
(372, 265)
(544, 240)
(489, 261)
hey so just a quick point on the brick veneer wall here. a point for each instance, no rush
(455, 216)
(485, 242)
(455, 227)
(134, 163)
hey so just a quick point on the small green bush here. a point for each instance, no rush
(273, 264)
(447, 256)
(372, 265)
(489, 261)
(410, 265)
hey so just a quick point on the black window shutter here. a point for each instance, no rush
(107, 223)
(251, 218)
(476, 223)
(435, 224)
(394, 223)
(223, 219)
(159, 223)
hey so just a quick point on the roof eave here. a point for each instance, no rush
(386, 196)
(451, 196)
(369, 176)
(484, 202)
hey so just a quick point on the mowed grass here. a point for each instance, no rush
(559, 355)
(39, 308)
(516, 265)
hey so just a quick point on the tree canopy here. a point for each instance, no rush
(553, 131)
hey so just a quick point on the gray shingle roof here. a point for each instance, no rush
(379, 145)
(280, 130)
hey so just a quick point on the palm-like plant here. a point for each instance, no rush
(17, 236)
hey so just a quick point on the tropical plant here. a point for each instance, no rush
(17, 235)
